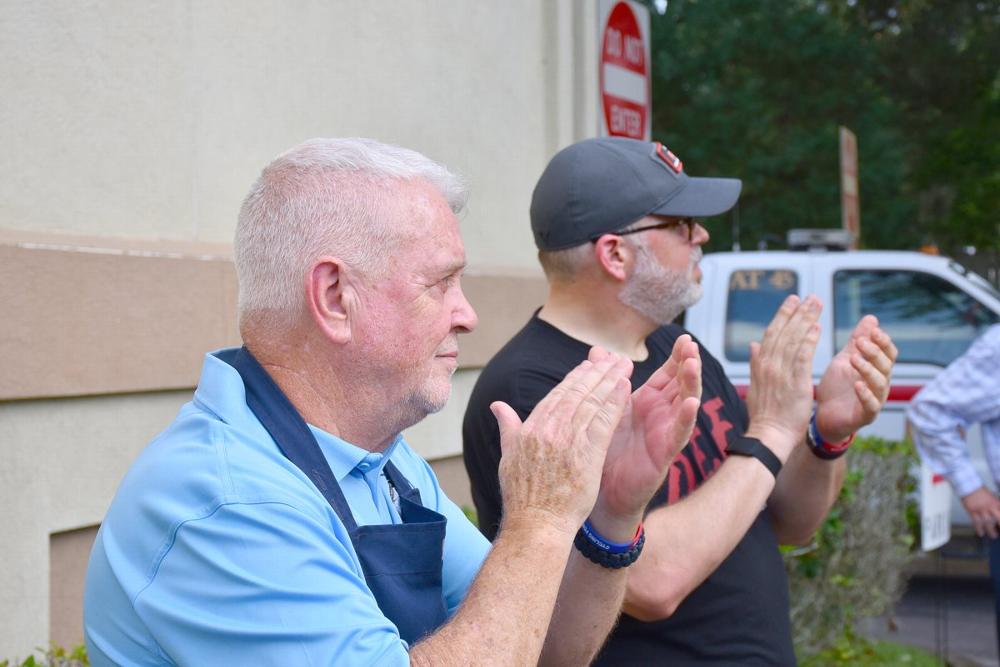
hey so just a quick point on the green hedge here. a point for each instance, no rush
(54, 656)
(855, 565)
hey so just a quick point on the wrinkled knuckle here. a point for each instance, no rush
(554, 395)
(603, 419)
(594, 400)
(549, 435)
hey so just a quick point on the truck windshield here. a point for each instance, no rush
(930, 320)
(754, 297)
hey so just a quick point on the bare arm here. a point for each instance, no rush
(850, 395)
(504, 616)
(550, 475)
(657, 425)
(804, 494)
(590, 600)
(688, 540)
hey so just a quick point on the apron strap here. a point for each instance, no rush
(402, 563)
(286, 426)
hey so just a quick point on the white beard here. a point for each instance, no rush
(658, 293)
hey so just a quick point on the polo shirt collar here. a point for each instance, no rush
(344, 458)
(220, 390)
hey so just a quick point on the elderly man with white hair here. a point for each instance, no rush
(282, 519)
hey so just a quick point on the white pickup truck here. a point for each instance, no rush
(931, 306)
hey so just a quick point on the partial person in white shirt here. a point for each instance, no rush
(967, 392)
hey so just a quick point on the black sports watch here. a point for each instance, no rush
(747, 446)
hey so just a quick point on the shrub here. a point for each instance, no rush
(860, 652)
(854, 567)
(54, 656)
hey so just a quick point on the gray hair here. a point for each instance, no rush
(562, 266)
(325, 196)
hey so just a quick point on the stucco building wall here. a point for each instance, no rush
(130, 133)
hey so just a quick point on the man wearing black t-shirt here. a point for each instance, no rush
(614, 223)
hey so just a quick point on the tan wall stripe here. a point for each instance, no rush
(99, 316)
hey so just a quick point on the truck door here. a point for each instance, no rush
(931, 320)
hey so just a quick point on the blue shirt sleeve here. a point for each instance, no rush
(264, 584)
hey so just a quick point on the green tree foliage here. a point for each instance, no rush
(942, 64)
(757, 89)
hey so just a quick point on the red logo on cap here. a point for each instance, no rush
(672, 160)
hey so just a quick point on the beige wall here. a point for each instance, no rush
(150, 120)
(90, 315)
(62, 460)
(130, 133)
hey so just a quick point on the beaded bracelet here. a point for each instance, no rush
(606, 553)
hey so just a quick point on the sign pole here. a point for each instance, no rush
(850, 210)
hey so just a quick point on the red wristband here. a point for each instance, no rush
(822, 448)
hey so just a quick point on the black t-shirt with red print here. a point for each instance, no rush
(739, 615)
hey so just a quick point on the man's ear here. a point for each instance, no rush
(614, 256)
(328, 294)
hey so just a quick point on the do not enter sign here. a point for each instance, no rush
(624, 70)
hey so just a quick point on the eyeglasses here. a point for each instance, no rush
(690, 223)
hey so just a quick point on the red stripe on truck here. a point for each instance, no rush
(901, 393)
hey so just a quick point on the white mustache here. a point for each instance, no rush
(450, 346)
(695, 257)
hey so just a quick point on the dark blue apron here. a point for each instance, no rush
(402, 562)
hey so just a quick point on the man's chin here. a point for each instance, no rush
(694, 274)
(435, 398)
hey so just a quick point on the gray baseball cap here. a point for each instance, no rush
(603, 185)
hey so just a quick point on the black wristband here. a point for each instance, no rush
(604, 558)
(746, 446)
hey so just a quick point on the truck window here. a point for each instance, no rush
(754, 297)
(930, 320)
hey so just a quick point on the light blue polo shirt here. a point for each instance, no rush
(218, 550)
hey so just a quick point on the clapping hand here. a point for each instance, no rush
(550, 469)
(656, 425)
(855, 385)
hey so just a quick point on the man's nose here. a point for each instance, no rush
(465, 318)
(700, 235)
